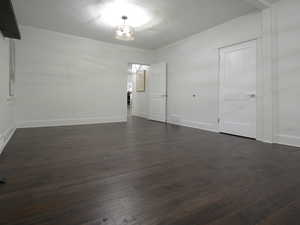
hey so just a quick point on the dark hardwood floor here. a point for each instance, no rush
(146, 173)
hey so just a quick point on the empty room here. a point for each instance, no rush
(161, 112)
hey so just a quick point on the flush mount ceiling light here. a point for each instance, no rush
(125, 32)
(110, 14)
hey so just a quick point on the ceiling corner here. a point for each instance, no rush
(261, 4)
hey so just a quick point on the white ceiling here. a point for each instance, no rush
(272, 1)
(173, 20)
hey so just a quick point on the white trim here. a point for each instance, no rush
(70, 122)
(141, 114)
(269, 79)
(143, 117)
(275, 77)
(288, 140)
(260, 93)
(265, 2)
(259, 4)
(174, 119)
(5, 138)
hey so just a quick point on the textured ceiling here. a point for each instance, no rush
(172, 20)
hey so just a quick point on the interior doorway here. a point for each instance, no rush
(238, 72)
(137, 90)
(157, 94)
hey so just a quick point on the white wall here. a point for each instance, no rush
(6, 105)
(288, 19)
(63, 79)
(193, 68)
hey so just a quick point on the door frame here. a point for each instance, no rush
(259, 87)
(129, 67)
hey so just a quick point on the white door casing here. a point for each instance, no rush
(238, 69)
(158, 92)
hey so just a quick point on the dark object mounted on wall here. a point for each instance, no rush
(8, 22)
(2, 181)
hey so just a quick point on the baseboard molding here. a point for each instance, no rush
(176, 120)
(279, 139)
(265, 140)
(193, 124)
(288, 140)
(70, 122)
(5, 138)
(143, 115)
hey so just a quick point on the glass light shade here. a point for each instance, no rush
(125, 33)
(110, 13)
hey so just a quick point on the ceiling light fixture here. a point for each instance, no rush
(125, 32)
(110, 14)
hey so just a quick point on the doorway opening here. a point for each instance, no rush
(137, 89)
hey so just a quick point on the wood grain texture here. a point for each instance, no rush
(146, 173)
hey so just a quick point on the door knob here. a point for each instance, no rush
(252, 95)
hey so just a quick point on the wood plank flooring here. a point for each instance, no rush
(146, 173)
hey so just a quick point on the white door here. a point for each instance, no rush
(158, 92)
(238, 90)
